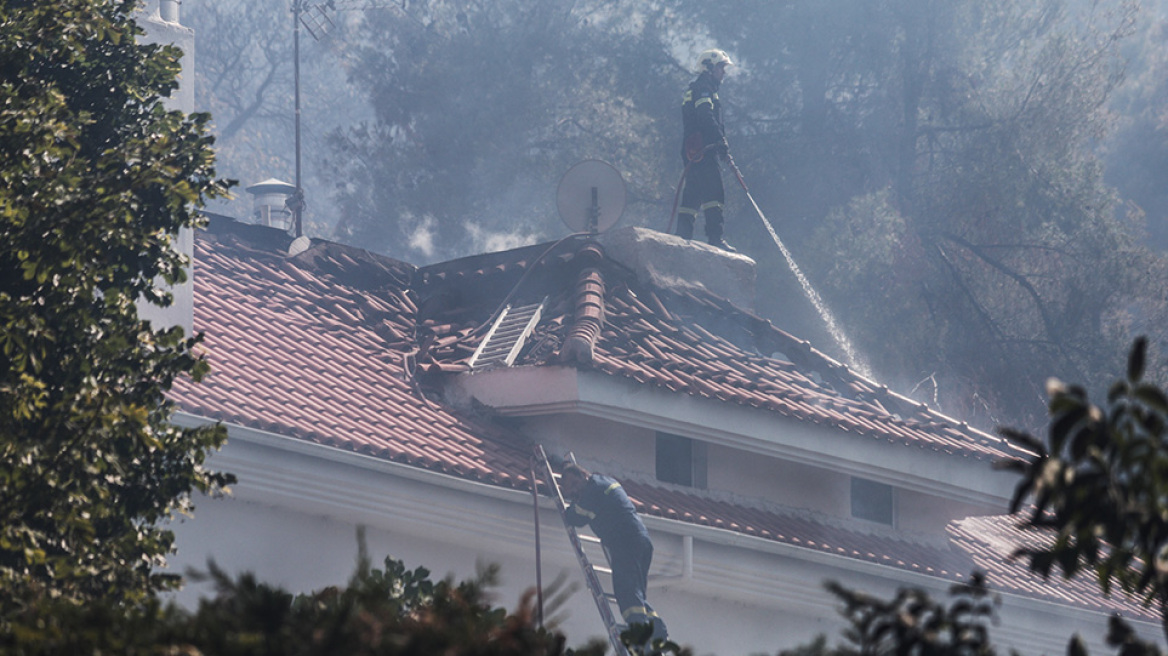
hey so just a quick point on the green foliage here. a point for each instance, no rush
(1099, 484)
(1121, 636)
(1012, 261)
(913, 623)
(481, 108)
(390, 611)
(1136, 153)
(97, 179)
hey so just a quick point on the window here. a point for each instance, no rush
(681, 460)
(872, 501)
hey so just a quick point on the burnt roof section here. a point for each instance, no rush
(684, 340)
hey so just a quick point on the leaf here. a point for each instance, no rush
(1076, 647)
(1153, 397)
(1135, 361)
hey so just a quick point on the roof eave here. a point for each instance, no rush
(543, 390)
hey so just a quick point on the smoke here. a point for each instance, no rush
(421, 238)
(485, 240)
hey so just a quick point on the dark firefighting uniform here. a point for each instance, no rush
(604, 506)
(701, 117)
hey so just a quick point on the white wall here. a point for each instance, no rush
(295, 511)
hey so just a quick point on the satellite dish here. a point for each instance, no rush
(299, 245)
(591, 196)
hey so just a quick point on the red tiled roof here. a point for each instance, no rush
(324, 346)
(319, 348)
(976, 543)
(991, 541)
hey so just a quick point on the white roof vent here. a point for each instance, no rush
(270, 205)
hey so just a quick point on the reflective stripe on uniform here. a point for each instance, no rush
(637, 610)
(612, 487)
(713, 203)
(706, 100)
(686, 210)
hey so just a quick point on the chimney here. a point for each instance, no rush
(159, 20)
(168, 10)
(270, 203)
(672, 262)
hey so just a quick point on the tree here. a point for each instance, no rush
(1099, 485)
(97, 179)
(244, 78)
(391, 611)
(1136, 152)
(914, 624)
(481, 107)
(933, 168)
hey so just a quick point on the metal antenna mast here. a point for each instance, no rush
(301, 11)
(315, 18)
(298, 197)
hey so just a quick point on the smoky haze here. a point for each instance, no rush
(974, 187)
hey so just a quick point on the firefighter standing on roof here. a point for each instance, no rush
(704, 141)
(601, 502)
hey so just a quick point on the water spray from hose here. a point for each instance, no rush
(855, 362)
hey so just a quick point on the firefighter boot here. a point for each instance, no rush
(721, 243)
(714, 223)
(685, 224)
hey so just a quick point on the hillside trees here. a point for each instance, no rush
(1136, 153)
(934, 172)
(244, 79)
(97, 179)
(481, 107)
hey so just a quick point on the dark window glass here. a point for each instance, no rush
(872, 501)
(675, 459)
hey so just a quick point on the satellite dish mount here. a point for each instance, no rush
(591, 197)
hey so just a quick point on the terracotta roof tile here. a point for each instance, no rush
(306, 361)
(316, 347)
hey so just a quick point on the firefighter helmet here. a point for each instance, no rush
(713, 57)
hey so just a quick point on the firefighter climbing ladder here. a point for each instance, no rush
(604, 600)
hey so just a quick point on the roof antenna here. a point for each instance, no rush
(591, 197)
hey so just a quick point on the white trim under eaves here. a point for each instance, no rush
(532, 391)
(673, 527)
(344, 456)
(1045, 622)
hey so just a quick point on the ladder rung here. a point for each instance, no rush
(602, 570)
(588, 538)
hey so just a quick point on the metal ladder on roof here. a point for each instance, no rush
(507, 335)
(605, 601)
